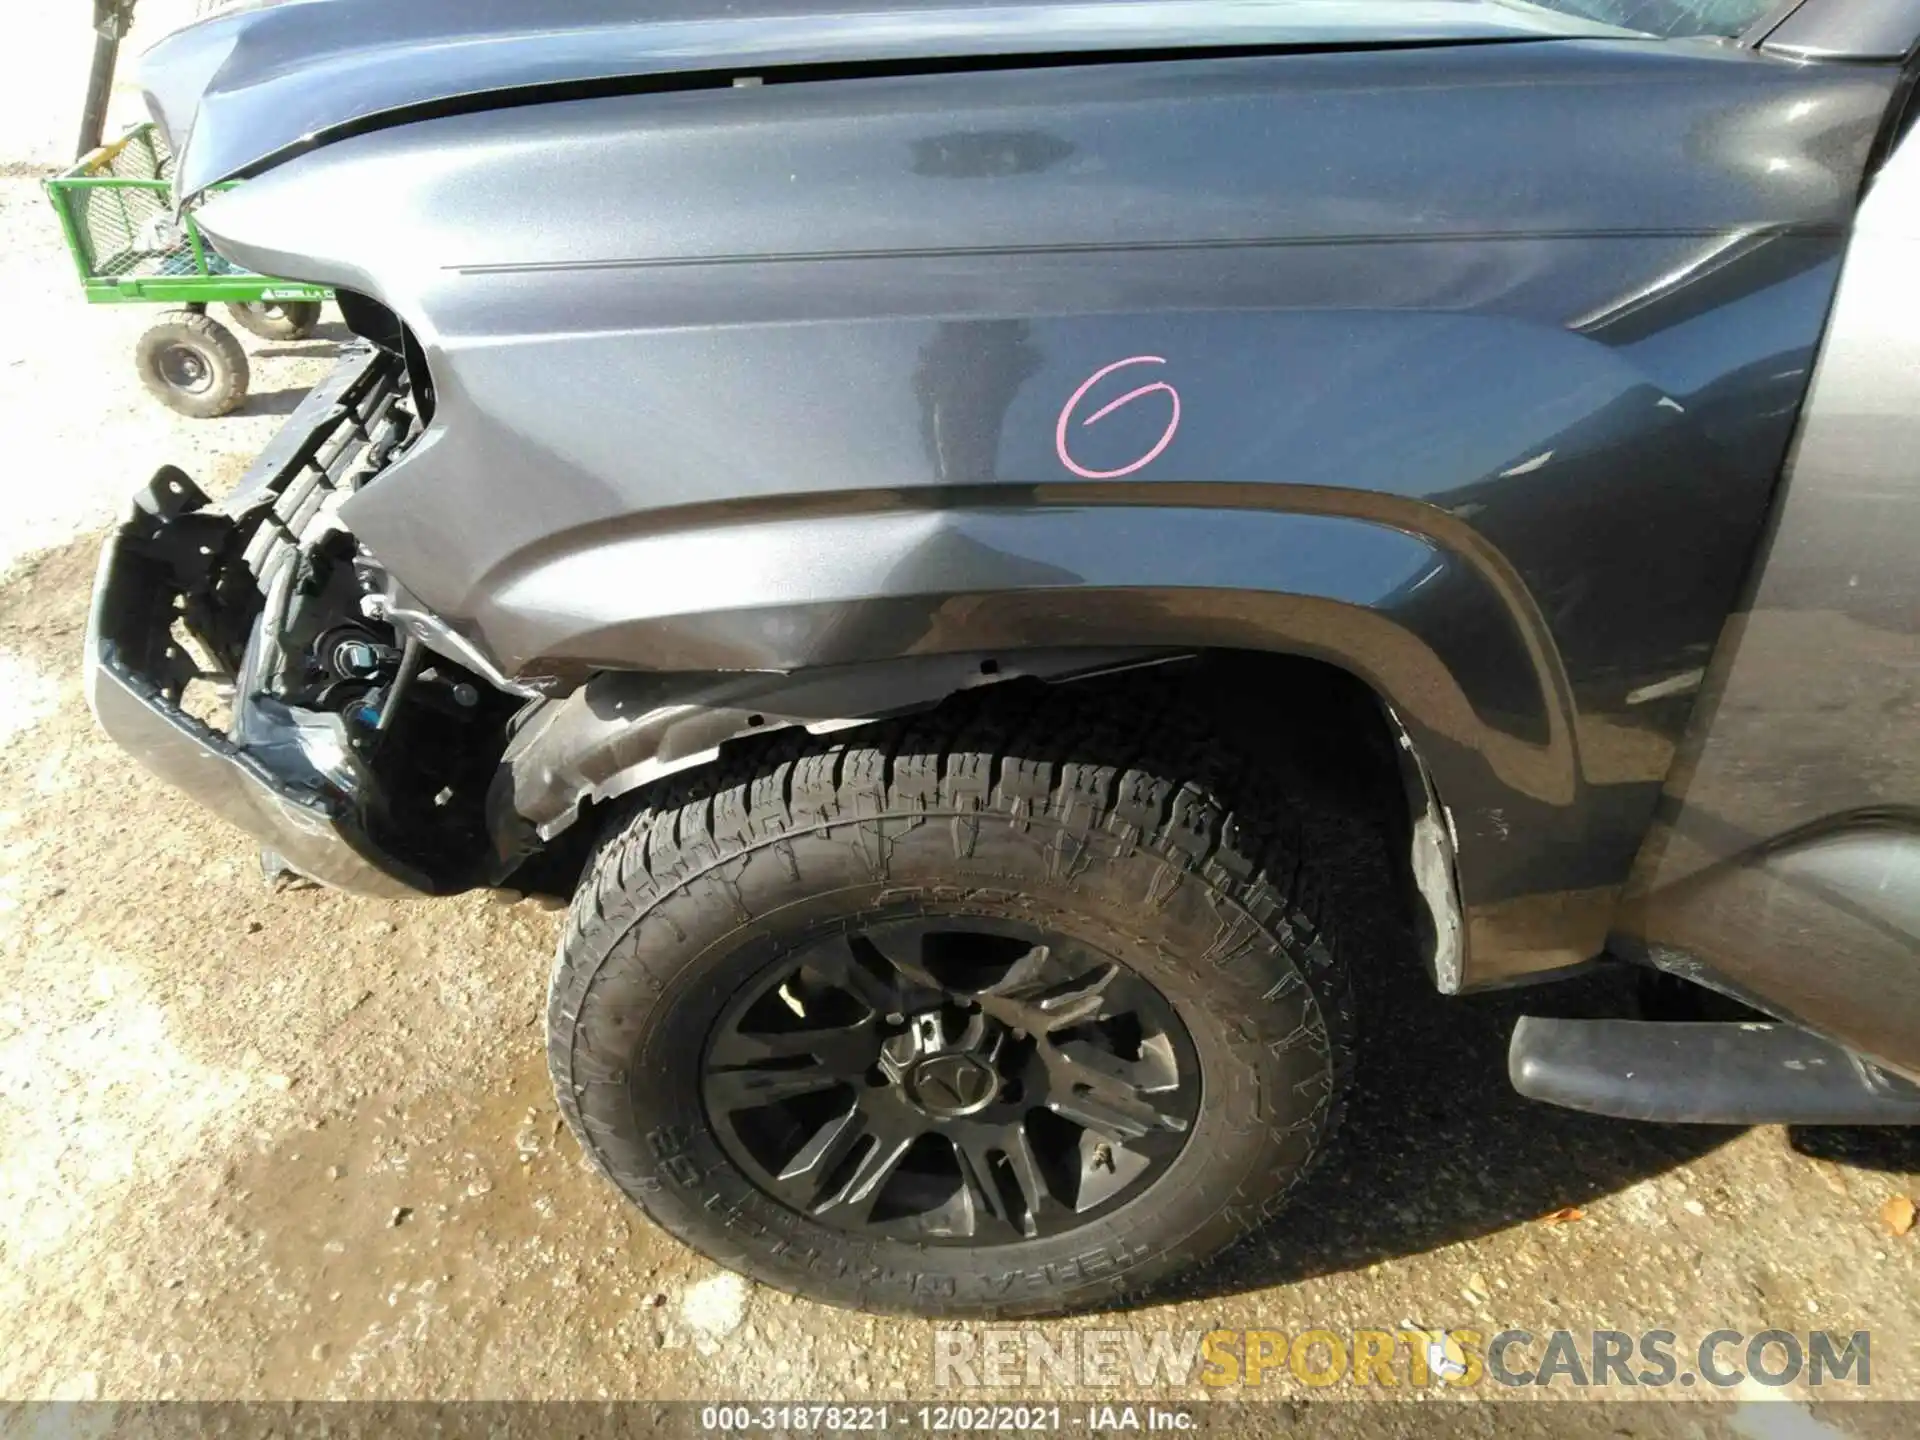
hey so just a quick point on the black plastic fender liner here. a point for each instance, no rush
(1703, 1073)
(624, 730)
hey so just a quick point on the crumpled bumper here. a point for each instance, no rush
(165, 564)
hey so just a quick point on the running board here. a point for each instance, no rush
(1711, 1073)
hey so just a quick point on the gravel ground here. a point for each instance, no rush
(258, 1145)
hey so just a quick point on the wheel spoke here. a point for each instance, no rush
(975, 1154)
(1080, 1001)
(978, 1149)
(1089, 1090)
(900, 953)
(876, 978)
(749, 1089)
(864, 973)
(1026, 1174)
(890, 1142)
(751, 1068)
(840, 1047)
(806, 1173)
(1022, 973)
(1054, 1009)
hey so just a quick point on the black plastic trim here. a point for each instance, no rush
(177, 557)
(1709, 1073)
(295, 815)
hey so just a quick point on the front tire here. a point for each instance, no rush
(1011, 1008)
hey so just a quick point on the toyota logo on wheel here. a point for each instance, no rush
(953, 1084)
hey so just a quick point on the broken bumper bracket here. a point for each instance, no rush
(165, 560)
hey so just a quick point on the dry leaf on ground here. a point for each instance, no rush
(1897, 1215)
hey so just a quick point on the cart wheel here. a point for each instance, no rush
(277, 319)
(193, 364)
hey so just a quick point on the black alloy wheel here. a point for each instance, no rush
(951, 1081)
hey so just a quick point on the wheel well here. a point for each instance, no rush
(1333, 727)
(1261, 703)
(1324, 721)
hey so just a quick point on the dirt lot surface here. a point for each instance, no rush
(298, 1145)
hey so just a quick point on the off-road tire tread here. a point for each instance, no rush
(1134, 760)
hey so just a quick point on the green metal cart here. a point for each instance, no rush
(116, 207)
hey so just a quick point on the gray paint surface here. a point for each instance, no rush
(1787, 860)
(248, 87)
(1470, 369)
(774, 378)
(1848, 30)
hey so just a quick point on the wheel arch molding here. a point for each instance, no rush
(910, 607)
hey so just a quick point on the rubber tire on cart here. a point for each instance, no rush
(193, 364)
(756, 948)
(277, 319)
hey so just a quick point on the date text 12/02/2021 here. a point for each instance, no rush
(941, 1419)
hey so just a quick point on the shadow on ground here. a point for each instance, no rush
(1438, 1148)
(1891, 1148)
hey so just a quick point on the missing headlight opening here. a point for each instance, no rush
(291, 646)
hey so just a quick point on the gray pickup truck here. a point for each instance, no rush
(979, 541)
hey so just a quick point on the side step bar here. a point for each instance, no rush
(1711, 1073)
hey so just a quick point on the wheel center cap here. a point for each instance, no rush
(952, 1084)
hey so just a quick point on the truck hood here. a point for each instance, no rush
(250, 87)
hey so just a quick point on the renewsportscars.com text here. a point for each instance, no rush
(1407, 1356)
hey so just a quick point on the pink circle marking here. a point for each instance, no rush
(1166, 439)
